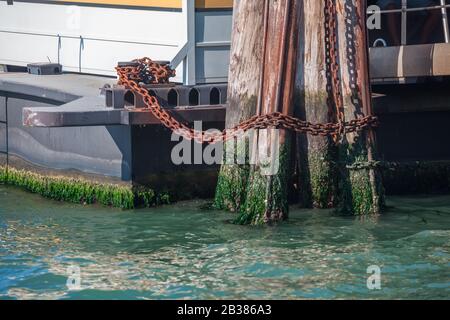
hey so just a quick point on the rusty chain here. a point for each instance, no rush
(334, 82)
(145, 70)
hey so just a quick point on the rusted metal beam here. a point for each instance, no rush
(89, 111)
(214, 113)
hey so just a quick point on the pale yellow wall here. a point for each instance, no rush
(172, 4)
(142, 3)
(210, 4)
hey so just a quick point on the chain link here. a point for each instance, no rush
(133, 77)
(334, 82)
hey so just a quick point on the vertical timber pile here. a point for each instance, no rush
(267, 199)
(360, 186)
(327, 73)
(243, 89)
(315, 154)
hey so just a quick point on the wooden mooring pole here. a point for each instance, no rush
(262, 73)
(243, 89)
(279, 64)
(360, 186)
(267, 194)
(316, 155)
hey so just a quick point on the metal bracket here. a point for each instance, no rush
(123, 64)
(169, 96)
(44, 68)
(115, 97)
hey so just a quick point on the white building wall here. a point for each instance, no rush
(36, 32)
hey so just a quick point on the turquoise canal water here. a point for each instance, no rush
(182, 252)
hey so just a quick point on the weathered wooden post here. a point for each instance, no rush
(243, 90)
(266, 199)
(360, 187)
(315, 154)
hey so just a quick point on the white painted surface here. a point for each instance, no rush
(189, 62)
(29, 33)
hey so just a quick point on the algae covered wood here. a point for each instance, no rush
(315, 154)
(267, 199)
(243, 89)
(360, 186)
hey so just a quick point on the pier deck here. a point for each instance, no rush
(80, 104)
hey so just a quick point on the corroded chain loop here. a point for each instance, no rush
(151, 72)
(147, 71)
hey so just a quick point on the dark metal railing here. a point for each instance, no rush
(404, 10)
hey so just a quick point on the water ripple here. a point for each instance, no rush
(180, 252)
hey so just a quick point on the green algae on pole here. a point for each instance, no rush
(243, 88)
(315, 154)
(267, 192)
(267, 196)
(360, 186)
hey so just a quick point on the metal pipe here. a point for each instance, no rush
(59, 49)
(445, 21)
(190, 63)
(213, 44)
(159, 43)
(404, 34)
(80, 53)
(413, 9)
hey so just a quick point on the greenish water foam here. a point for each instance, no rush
(181, 252)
